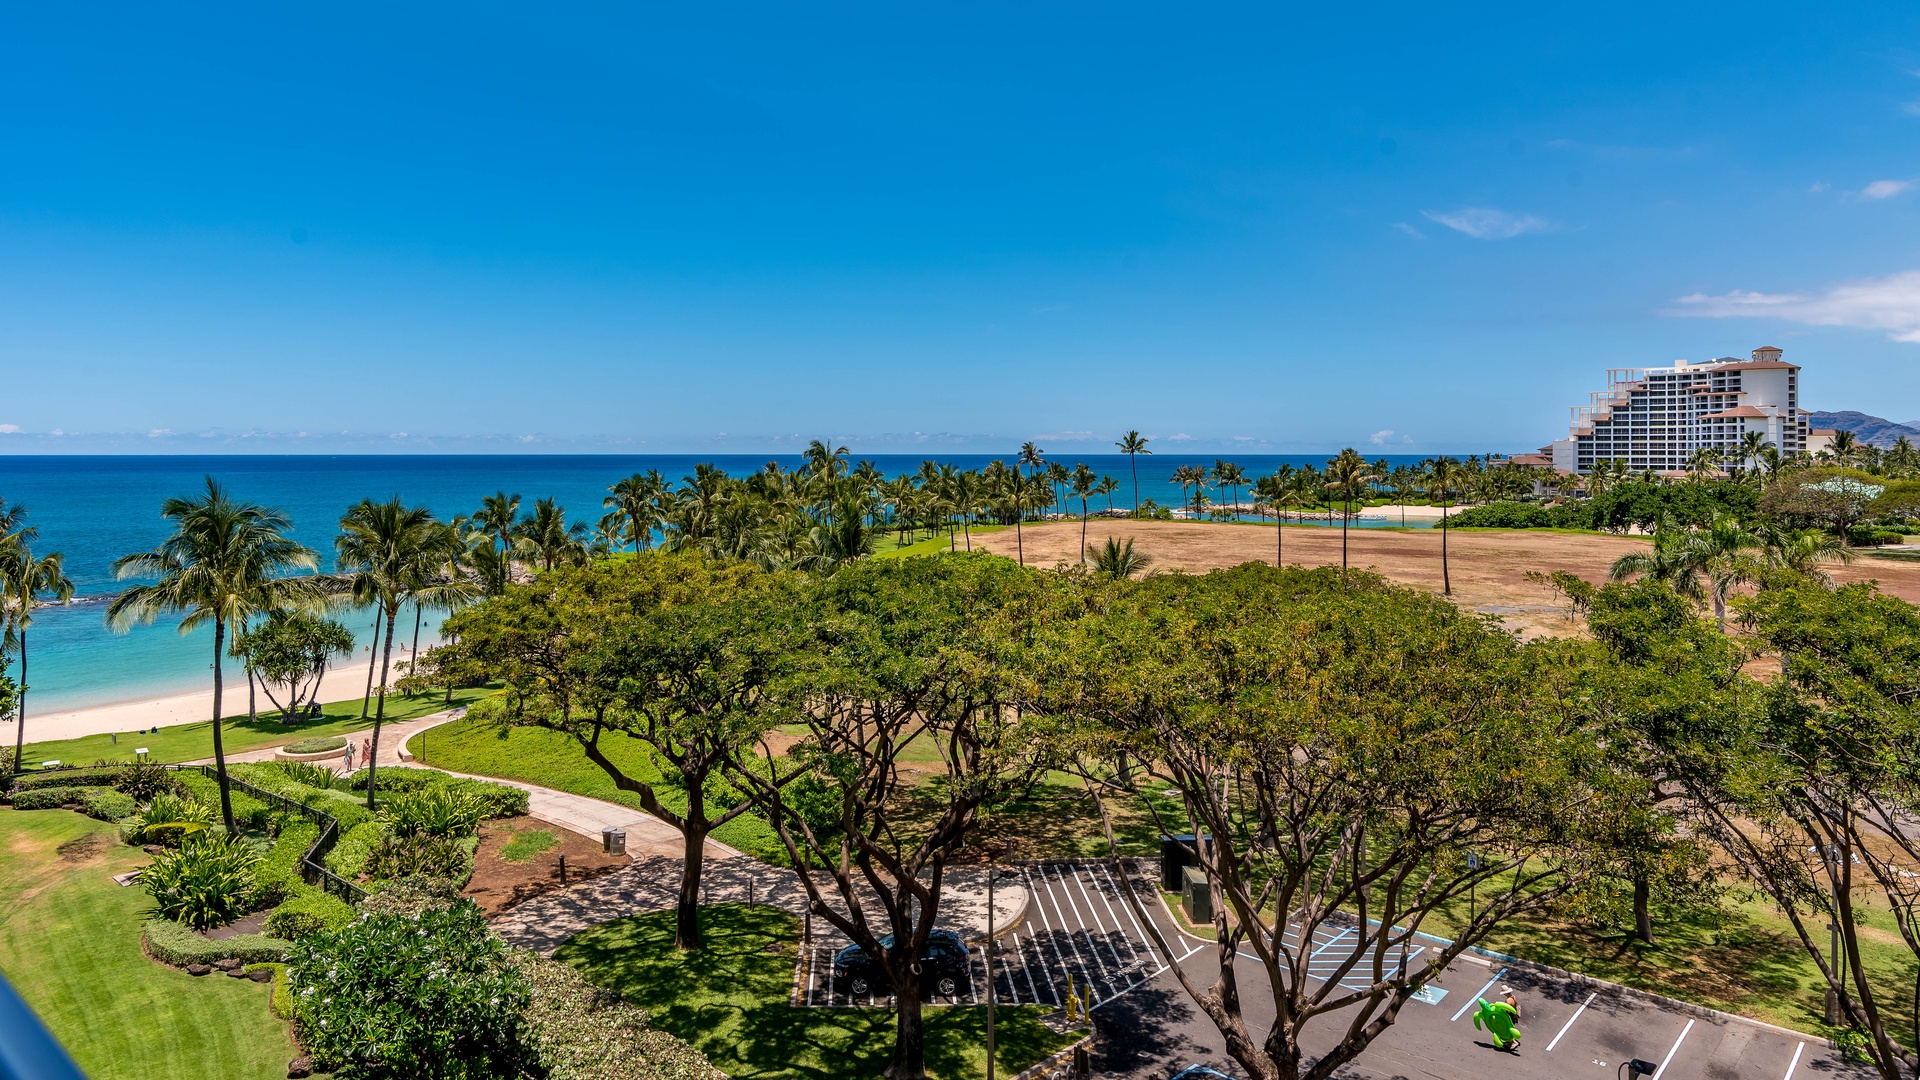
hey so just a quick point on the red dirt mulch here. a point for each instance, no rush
(498, 884)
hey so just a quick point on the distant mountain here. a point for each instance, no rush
(1868, 429)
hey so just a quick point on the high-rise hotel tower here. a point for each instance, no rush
(1655, 418)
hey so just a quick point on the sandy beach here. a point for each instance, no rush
(346, 682)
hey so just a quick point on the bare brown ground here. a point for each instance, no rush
(1488, 568)
(498, 884)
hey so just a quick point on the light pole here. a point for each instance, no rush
(993, 872)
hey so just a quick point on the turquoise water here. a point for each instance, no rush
(95, 509)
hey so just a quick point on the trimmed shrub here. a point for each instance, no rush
(107, 804)
(318, 745)
(170, 833)
(304, 773)
(46, 798)
(423, 856)
(279, 873)
(171, 943)
(496, 800)
(437, 811)
(142, 782)
(349, 855)
(169, 809)
(1503, 515)
(282, 989)
(435, 997)
(579, 1031)
(207, 882)
(310, 911)
(248, 812)
(397, 778)
(62, 778)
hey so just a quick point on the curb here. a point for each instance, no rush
(1062, 1058)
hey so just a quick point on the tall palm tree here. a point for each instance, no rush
(1130, 444)
(1445, 478)
(26, 580)
(499, 518)
(226, 562)
(1107, 486)
(1751, 445)
(635, 504)
(1084, 484)
(1347, 474)
(1702, 461)
(1030, 456)
(388, 555)
(1845, 447)
(1228, 475)
(1276, 492)
(546, 536)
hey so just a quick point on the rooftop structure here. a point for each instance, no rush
(1655, 418)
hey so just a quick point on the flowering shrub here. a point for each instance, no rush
(433, 996)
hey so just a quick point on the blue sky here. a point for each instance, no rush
(728, 227)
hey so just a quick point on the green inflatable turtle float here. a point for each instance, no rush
(1500, 1020)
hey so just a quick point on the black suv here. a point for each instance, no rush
(944, 965)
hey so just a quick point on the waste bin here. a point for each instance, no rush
(1176, 854)
(614, 840)
(1195, 898)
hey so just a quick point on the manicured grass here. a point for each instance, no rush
(731, 1000)
(524, 846)
(936, 544)
(190, 742)
(70, 944)
(552, 759)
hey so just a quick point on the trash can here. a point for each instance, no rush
(1176, 854)
(614, 840)
(1196, 898)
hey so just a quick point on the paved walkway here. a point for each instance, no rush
(652, 884)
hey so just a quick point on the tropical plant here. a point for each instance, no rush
(437, 810)
(225, 564)
(204, 883)
(1445, 480)
(292, 649)
(420, 855)
(1082, 485)
(1347, 474)
(26, 581)
(142, 782)
(1119, 560)
(167, 807)
(388, 555)
(547, 538)
(635, 502)
(1703, 563)
(1133, 444)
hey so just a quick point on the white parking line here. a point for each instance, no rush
(1093, 945)
(1330, 943)
(1053, 938)
(1576, 1016)
(1795, 1063)
(1133, 946)
(1469, 1003)
(1145, 942)
(1027, 968)
(1072, 941)
(1662, 1070)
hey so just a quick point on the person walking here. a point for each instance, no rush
(346, 759)
(366, 752)
(1500, 1019)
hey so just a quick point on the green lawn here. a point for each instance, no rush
(190, 742)
(70, 944)
(552, 759)
(937, 544)
(731, 1001)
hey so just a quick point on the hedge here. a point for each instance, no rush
(309, 911)
(46, 798)
(350, 853)
(107, 804)
(496, 800)
(278, 873)
(316, 746)
(248, 812)
(1503, 515)
(63, 778)
(171, 943)
(282, 990)
(579, 1031)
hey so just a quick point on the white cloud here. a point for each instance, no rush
(56, 432)
(1819, 186)
(1379, 438)
(1911, 108)
(1485, 223)
(1885, 189)
(9, 429)
(1409, 230)
(159, 433)
(1890, 303)
(1182, 437)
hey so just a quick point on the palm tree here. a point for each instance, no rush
(1228, 475)
(499, 518)
(1030, 457)
(1845, 447)
(226, 562)
(25, 580)
(1702, 461)
(1751, 444)
(635, 503)
(546, 536)
(1346, 474)
(1083, 485)
(1804, 551)
(1057, 480)
(1116, 560)
(1107, 486)
(1131, 444)
(1276, 492)
(388, 555)
(1704, 563)
(1445, 476)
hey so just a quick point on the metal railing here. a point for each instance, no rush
(313, 869)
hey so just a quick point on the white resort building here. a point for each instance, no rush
(1655, 418)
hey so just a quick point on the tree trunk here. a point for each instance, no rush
(413, 657)
(380, 712)
(253, 705)
(219, 747)
(20, 718)
(686, 928)
(1345, 521)
(910, 1031)
(1135, 466)
(1279, 540)
(1446, 577)
(1642, 909)
(373, 653)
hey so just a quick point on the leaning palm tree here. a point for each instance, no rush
(1347, 474)
(226, 562)
(1131, 444)
(389, 555)
(26, 580)
(1445, 478)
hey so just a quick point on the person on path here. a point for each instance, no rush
(366, 751)
(346, 760)
(1501, 1019)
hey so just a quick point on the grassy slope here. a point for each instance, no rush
(189, 742)
(551, 759)
(70, 943)
(731, 1000)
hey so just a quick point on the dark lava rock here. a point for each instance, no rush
(199, 969)
(229, 964)
(261, 975)
(298, 1067)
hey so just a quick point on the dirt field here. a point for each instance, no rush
(1488, 567)
(498, 884)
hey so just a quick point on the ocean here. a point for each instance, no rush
(96, 508)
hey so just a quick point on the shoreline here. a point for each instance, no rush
(346, 682)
